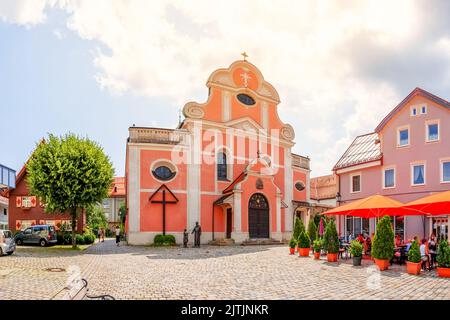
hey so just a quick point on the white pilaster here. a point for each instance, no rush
(278, 212)
(133, 192)
(288, 190)
(226, 106)
(237, 208)
(265, 115)
(193, 177)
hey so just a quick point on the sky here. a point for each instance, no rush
(95, 68)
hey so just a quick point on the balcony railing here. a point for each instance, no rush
(300, 161)
(158, 135)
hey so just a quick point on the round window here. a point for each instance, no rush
(299, 186)
(163, 173)
(246, 99)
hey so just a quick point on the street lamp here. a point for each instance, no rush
(338, 198)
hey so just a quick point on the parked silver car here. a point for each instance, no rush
(7, 244)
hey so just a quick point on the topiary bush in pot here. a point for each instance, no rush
(312, 230)
(304, 244)
(414, 262)
(356, 250)
(383, 243)
(292, 245)
(331, 241)
(443, 259)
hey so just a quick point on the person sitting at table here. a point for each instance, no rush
(360, 238)
(368, 246)
(424, 256)
(398, 241)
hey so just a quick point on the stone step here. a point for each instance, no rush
(258, 242)
(222, 242)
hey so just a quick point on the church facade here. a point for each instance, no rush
(228, 165)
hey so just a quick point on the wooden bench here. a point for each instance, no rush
(82, 294)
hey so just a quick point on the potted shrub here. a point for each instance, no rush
(298, 228)
(443, 259)
(414, 262)
(292, 245)
(317, 246)
(304, 244)
(312, 230)
(331, 241)
(356, 250)
(383, 243)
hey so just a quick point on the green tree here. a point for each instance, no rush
(299, 227)
(383, 241)
(312, 230)
(443, 254)
(96, 218)
(414, 252)
(122, 212)
(330, 238)
(303, 240)
(69, 174)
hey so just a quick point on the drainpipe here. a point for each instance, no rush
(213, 222)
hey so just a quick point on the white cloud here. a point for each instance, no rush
(306, 49)
(23, 12)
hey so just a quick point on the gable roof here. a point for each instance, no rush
(118, 187)
(364, 148)
(415, 92)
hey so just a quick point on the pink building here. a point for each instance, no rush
(406, 158)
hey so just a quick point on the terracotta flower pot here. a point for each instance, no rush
(292, 250)
(317, 255)
(443, 272)
(413, 267)
(303, 252)
(382, 264)
(332, 257)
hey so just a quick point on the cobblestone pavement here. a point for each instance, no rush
(253, 272)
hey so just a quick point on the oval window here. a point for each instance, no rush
(246, 99)
(299, 186)
(163, 173)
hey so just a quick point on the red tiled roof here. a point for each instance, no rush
(415, 92)
(364, 148)
(118, 187)
(324, 187)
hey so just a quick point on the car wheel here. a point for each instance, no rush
(42, 243)
(1, 252)
(19, 242)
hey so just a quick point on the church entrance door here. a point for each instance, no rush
(258, 216)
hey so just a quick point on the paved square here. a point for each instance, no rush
(254, 272)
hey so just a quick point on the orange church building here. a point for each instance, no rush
(228, 165)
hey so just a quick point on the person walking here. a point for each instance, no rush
(197, 231)
(102, 232)
(117, 235)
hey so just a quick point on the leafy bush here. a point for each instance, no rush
(292, 243)
(303, 240)
(443, 254)
(167, 240)
(414, 252)
(356, 248)
(64, 237)
(298, 228)
(317, 245)
(383, 241)
(79, 239)
(89, 238)
(312, 230)
(330, 238)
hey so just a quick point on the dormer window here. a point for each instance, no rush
(413, 111)
(246, 99)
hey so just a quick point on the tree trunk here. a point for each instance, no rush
(74, 224)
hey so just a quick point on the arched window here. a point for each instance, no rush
(221, 166)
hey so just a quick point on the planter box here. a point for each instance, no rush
(357, 261)
(317, 255)
(382, 264)
(292, 250)
(443, 272)
(413, 267)
(303, 252)
(332, 257)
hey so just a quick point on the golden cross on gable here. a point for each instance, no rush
(244, 54)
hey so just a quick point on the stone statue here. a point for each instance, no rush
(185, 238)
(197, 231)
